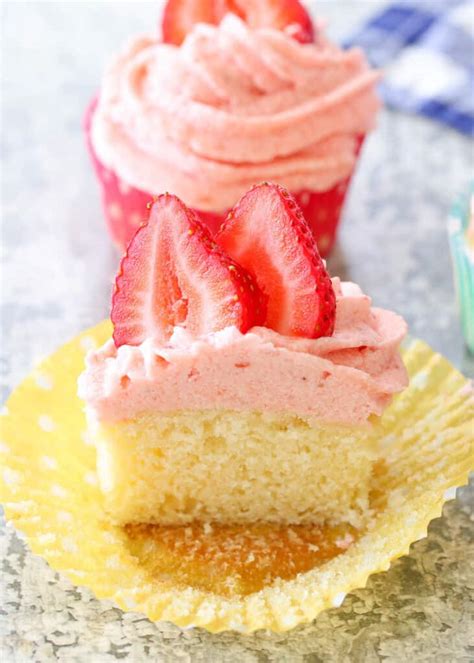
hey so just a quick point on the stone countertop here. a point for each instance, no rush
(58, 267)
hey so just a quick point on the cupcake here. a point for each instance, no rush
(242, 384)
(461, 239)
(251, 451)
(222, 104)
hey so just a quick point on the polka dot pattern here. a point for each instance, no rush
(46, 423)
(44, 381)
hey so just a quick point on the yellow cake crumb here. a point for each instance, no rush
(234, 467)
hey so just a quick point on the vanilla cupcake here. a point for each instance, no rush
(233, 104)
(244, 391)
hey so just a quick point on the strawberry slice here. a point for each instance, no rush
(267, 234)
(174, 274)
(288, 15)
(180, 16)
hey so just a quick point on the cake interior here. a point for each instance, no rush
(232, 468)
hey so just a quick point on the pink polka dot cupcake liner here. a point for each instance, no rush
(125, 206)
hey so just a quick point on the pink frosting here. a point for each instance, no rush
(231, 107)
(343, 379)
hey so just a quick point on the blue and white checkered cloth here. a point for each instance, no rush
(426, 49)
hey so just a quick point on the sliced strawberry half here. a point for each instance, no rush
(174, 274)
(288, 15)
(180, 16)
(267, 234)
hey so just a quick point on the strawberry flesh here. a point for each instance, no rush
(179, 16)
(174, 274)
(267, 234)
(278, 14)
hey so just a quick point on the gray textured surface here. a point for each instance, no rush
(57, 272)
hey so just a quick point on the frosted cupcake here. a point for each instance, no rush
(250, 421)
(241, 361)
(232, 105)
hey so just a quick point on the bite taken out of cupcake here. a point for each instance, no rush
(233, 93)
(242, 384)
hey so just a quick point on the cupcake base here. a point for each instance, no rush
(220, 580)
(125, 207)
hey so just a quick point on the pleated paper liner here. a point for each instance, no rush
(241, 578)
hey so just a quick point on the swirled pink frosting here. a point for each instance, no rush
(343, 378)
(231, 107)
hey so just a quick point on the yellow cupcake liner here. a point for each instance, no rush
(50, 493)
